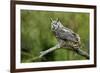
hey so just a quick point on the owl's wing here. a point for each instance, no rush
(67, 34)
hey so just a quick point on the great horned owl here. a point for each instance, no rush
(66, 39)
(65, 36)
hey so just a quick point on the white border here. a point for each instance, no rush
(52, 64)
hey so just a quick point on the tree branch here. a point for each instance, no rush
(49, 50)
(42, 53)
(78, 51)
(82, 53)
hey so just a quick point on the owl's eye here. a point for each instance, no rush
(56, 23)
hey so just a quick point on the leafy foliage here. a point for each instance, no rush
(36, 34)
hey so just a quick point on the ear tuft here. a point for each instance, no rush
(57, 19)
(51, 19)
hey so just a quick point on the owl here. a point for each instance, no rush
(65, 36)
(66, 39)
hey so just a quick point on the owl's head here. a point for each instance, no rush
(55, 24)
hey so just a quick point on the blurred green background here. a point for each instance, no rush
(36, 34)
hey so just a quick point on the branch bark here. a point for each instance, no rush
(49, 50)
(82, 53)
(42, 53)
(78, 51)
